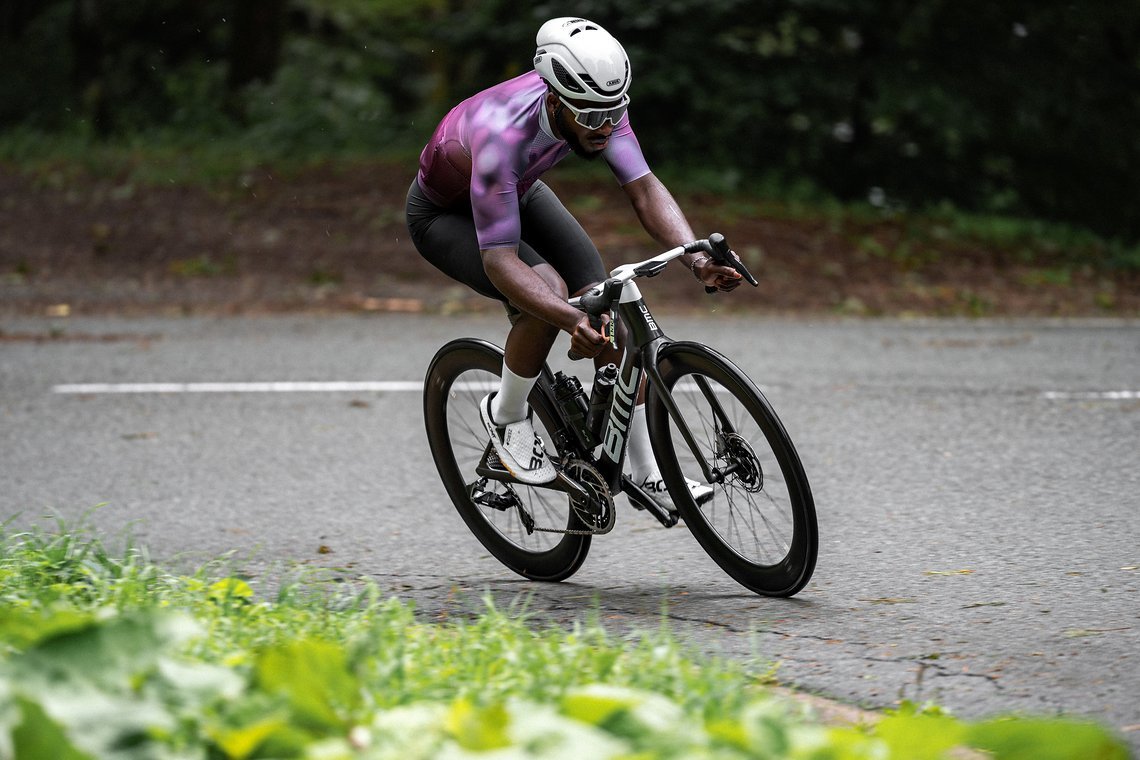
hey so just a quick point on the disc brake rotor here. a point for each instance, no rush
(743, 463)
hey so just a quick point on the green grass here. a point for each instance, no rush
(106, 655)
(172, 157)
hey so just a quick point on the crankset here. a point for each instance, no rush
(590, 497)
(596, 509)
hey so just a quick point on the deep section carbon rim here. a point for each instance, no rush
(760, 524)
(504, 516)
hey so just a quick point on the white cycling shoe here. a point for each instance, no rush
(518, 447)
(654, 487)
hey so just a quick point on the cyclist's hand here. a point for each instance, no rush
(587, 342)
(718, 276)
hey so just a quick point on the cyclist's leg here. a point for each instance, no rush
(550, 228)
(554, 232)
(447, 239)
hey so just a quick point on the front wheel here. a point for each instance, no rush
(507, 518)
(760, 524)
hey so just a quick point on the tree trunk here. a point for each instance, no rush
(255, 44)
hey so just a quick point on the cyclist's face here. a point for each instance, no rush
(588, 143)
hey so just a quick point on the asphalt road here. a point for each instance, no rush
(977, 483)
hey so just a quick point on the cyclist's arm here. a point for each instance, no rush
(526, 289)
(663, 219)
(531, 294)
(659, 213)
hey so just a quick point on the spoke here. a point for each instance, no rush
(469, 443)
(755, 527)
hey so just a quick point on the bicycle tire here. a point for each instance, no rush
(460, 374)
(760, 526)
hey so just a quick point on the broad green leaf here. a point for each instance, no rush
(845, 744)
(331, 749)
(541, 732)
(10, 717)
(313, 676)
(920, 737)
(597, 703)
(1039, 739)
(106, 652)
(478, 728)
(240, 743)
(729, 732)
(645, 716)
(195, 684)
(107, 725)
(410, 731)
(767, 723)
(38, 736)
(23, 627)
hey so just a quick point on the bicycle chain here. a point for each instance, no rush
(600, 512)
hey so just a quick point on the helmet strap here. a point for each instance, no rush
(558, 109)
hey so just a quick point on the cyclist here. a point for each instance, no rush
(478, 211)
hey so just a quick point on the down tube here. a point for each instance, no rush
(615, 440)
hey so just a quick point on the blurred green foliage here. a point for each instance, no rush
(1013, 108)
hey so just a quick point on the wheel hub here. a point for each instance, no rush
(742, 463)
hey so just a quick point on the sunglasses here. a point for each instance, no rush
(594, 118)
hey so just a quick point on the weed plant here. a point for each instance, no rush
(106, 655)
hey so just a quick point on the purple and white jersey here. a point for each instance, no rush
(494, 145)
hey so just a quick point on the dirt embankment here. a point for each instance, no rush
(334, 240)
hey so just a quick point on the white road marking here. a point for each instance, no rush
(381, 386)
(1091, 395)
(415, 386)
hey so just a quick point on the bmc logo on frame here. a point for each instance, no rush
(621, 414)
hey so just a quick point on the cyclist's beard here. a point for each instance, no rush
(562, 119)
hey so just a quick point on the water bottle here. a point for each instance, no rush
(572, 400)
(600, 395)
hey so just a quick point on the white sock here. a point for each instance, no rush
(642, 463)
(509, 404)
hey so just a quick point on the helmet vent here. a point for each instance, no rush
(563, 76)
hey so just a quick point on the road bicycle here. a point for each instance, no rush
(707, 421)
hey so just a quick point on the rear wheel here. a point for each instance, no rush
(507, 518)
(760, 525)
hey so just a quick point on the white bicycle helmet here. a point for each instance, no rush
(582, 61)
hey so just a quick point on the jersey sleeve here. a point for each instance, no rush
(497, 165)
(494, 194)
(624, 155)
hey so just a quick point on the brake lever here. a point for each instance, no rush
(596, 304)
(718, 249)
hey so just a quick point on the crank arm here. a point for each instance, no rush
(642, 500)
(491, 468)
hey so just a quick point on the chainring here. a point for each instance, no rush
(597, 513)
